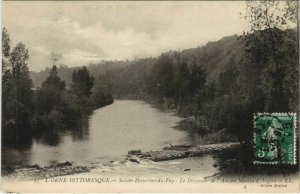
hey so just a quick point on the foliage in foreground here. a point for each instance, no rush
(27, 112)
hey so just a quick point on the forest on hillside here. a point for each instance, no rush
(220, 85)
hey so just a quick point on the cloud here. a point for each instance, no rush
(85, 32)
(41, 50)
(81, 57)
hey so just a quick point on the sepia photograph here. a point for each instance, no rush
(150, 96)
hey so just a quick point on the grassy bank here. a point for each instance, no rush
(238, 162)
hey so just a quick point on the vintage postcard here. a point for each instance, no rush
(150, 96)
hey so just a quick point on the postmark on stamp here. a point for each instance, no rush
(274, 138)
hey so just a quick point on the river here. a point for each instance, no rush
(107, 135)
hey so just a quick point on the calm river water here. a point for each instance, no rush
(106, 137)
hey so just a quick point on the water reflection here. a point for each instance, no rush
(40, 146)
(80, 132)
(16, 136)
(194, 133)
(106, 135)
(48, 137)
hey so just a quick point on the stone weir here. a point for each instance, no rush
(181, 151)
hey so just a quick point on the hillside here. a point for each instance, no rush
(214, 56)
(220, 85)
(227, 64)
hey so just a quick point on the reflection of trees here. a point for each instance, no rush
(51, 138)
(80, 132)
(191, 129)
(15, 138)
(48, 137)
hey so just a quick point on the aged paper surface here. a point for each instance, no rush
(147, 96)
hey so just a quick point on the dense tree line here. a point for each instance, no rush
(17, 104)
(222, 84)
(27, 111)
(245, 84)
(176, 83)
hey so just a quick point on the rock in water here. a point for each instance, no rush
(135, 152)
(134, 160)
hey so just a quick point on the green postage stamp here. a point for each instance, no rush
(275, 138)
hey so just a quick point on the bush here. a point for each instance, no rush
(99, 99)
(220, 136)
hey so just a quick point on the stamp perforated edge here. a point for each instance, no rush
(295, 134)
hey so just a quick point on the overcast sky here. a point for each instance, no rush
(85, 32)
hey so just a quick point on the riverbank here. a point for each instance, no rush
(35, 172)
(239, 163)
(191, 123)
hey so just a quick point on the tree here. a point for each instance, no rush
(163, 72)
(6, 81)
(53, 80)
(270, 24)
(6, 72)
(54, 58)
(183, 82)
(271, 14)
(55, 107)
(82, 82)
(5, 43)
(197, 78)
(50, 93)
(22, 84)
(227, 80)
(17, 93)
(99, 99)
